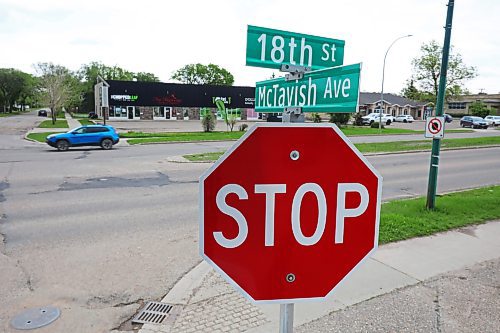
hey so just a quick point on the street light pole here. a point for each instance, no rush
(383, 77)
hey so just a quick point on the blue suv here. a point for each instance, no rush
(91, 135)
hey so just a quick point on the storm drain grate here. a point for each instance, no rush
(153, 313)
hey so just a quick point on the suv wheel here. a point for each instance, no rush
(388, 122)
(106, 144)
(62, 145)
(371, 122)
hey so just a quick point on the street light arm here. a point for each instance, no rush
(383, 78)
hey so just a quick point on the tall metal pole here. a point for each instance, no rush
(436, 143)
(382, 90)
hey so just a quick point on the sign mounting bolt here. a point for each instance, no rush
(294, 155)
(290, 277)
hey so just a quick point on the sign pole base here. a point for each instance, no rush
(286, 318)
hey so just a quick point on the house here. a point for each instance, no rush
(393, 104)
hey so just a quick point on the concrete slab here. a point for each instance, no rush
(422, 258)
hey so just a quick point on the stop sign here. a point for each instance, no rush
(289, 211)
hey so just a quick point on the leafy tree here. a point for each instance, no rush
(15, 86)
(201, 74)
(427, 67)
(479, 109)
(88, 76)
(56, 86)
(340, 118)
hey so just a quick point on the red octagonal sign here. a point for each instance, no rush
(289, 211)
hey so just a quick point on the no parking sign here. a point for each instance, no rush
(434, 127)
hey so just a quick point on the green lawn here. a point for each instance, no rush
(403, 219)
(139, 137)
(85, 121)
(40, 137)
(426, 144)
(60, 123)
(387, 147)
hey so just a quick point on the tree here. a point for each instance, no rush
(479, 109)
(88, 76)
(427, 67)
(201, 74)
(56, 86)
(15, 86)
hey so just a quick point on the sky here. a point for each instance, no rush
(162, 36)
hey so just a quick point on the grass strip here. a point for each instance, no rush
(60, 123)
(386, 147)
(147, 137)
(40, 137)
(139, 137)
(85, 121)
(404, 219)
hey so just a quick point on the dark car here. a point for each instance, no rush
(447, 118)
(92, 115)
(473, 122)
(42, 113)
(91, 135)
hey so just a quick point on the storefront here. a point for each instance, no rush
(130, 100)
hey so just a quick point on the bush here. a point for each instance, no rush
(242, 127)
(316, 118)
(375, 125)
(208, 121)
(479, 109)
(358, 119)
(340, 118)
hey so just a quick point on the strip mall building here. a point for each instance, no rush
(131, 100)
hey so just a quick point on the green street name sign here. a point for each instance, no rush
(328, 90)
(272, 48)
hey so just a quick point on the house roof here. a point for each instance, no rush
(373, 98)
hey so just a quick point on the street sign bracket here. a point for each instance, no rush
(294, 68)
(294, 76)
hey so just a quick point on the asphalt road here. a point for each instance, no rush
(96, 233)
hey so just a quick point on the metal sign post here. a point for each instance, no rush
(291, 115)
(436, 142)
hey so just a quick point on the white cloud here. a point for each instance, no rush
(162, 36)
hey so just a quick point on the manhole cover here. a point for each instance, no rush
(153, 313)
(35, 318)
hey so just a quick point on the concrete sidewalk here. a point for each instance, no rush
(72, 123)
(204, 302)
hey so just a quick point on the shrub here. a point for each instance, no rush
(479, 109)
(375, 125)
(208, 121)
(316, 118)
(242, 127)
(358, 119)
(340, 118)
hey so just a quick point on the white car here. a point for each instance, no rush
(374, 118)
(404, 118)
(492, 120)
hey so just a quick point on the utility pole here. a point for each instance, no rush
(436, 143)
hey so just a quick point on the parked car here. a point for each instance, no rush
(91, 135)
(447, 118)
(473, 122)
(404, 118)
(92, 115)
(42, 113)
(492, 120)
(374, 117)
